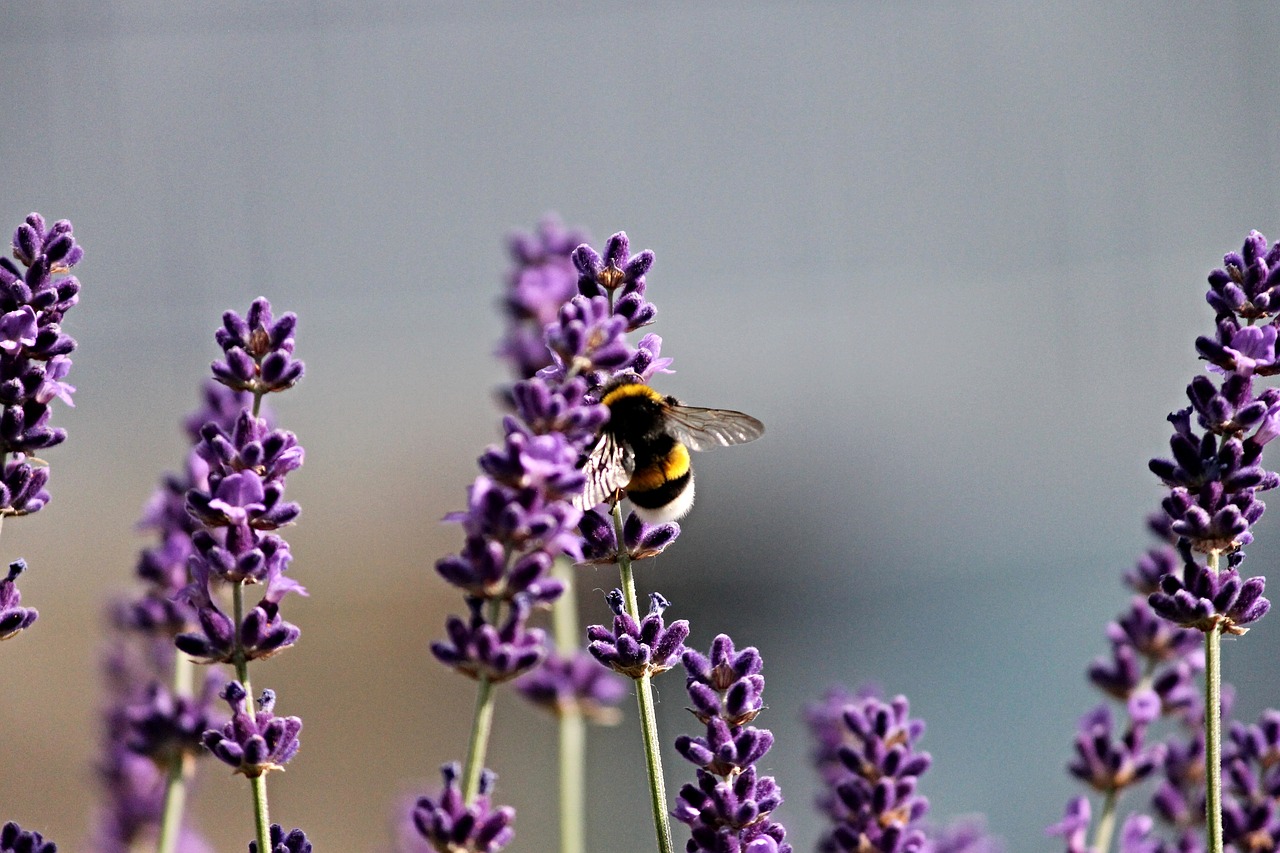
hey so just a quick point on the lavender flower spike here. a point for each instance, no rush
(450, 825)
(13, 617)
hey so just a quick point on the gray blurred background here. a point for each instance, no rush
(952, 254)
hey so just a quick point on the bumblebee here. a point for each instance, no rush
(644, 448)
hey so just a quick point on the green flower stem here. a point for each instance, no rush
(478, 743)
(180, 765)
(258, 784)
(644, 696)
(1213, 730)
(481, 725)
(573, 729)
(1106, 824)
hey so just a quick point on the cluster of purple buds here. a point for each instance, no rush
(542, 279)
(35, 293)
(450, 825)
(575, 683)
(258, 351)
(14, 840)
(868, 759)
(14, 618)
(728, 809)
(242, 499)
(293, 841)
(257, 743)
(640, 538)
(1108, 764)
(588, 335)
(638, 650)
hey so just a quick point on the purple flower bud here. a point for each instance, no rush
(13, 617)
(253, 744)
(450, 825)
(295, 841)
(1207, 600)
(479, 649)
(637, 650)
(258, 351)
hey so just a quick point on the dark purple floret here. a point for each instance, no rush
(587, 338)
(601, 276)
(481, 650)
(577, 682)
(1245, 285)
(1109, 765)
(642, 539)
(450, 825)
(257, 744)
(14, 840)
(258, 350)
(14, 618)
(294, 841)
(637, 650)
(1207, 600)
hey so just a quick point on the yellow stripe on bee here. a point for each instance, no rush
(674, 466)
(631, 389)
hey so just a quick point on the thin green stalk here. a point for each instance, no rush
(573, 729)
(478, 743)
(1106, 824)
(481, 724)
(644, 697)
(258, 784)
(1213, 730)
(180, 764)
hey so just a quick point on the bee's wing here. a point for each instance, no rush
(608, 468)
(703, 429)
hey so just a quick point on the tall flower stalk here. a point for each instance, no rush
(235, 548)
(36, 291)
(1215, 475)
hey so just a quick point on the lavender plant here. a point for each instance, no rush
(1191, 589)
(36, 291)
(234, 546)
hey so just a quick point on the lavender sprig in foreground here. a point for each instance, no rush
(36, 291)
(1214, 478)
(236, 546)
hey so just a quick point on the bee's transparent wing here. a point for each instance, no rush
(703, 429)
(607, 469)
